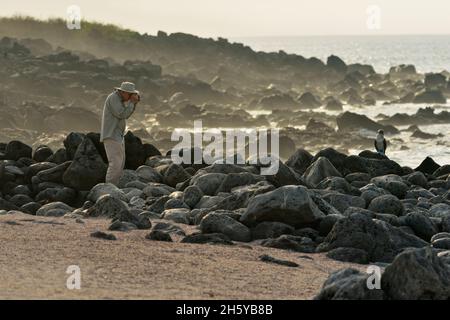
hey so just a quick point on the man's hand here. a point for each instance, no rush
(135, 98)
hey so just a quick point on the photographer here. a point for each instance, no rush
(119, 106)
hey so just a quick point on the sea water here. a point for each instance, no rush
(430, 53)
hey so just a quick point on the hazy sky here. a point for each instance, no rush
(234, 18)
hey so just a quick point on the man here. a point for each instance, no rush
(119, 106)
(380, 142)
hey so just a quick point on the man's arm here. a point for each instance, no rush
(385, 144)
(119, 111)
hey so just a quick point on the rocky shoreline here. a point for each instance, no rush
(53, 86)
(363, 208)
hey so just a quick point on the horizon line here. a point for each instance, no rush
(345, 35)
(19, 15)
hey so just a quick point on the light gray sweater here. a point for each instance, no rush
(115, 112)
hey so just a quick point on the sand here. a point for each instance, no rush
(35, 253)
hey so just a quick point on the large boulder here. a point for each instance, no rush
(387, 204)
(327, 223)
(382, 181)
(54, 174)
(34, 169)
(16, 150)
(233, 180)
(428, 166)
(319, 170)
(95, 138)
(105, 188)
(60, 156)
(379, 239)
(337, 184)
(71, 143)
(300, 160)
(371, 191)
(442, 171)
(175, 174)
(42, 153)
(349, 121)
(66, 195)
(289, 204)
(440, 210)
(134, 151)
(54, 209)
(430, 96)
(208, 183)
(435, 81)
(421, 224)
(222, 223)
(6, 205)
(192, 195)
(402, 71)
(148, 174)
(417, 178)
(336, 64)
(179, 215)
(335, 157)
(374, 167)
(372, 155)
(285, 176)
(128, 177)
(348, 284)
(109, 206)
(87, 168)
(353, 255)
(417, 274)
(308, 100)
(342, 202)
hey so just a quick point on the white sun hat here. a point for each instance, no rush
(127, 87)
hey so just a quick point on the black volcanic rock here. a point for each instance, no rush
(430, 96)
(95, 138)
(417, 274)
(335, 157)
(300, 160)
(348, 284)
(42, 153)
(16, 150)
(435, 81)
(71, 143)
(379, 239)
(87, 168)
(308, 100)
(337, 64)
(349, 121)
(372, 155)
(373, 167)
(427, 166)
(135, 151)
(333, 104)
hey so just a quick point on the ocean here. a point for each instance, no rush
(430, 53)
(426, 53)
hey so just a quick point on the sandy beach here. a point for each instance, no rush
(36, 252)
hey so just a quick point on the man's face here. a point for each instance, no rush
(125, 95)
